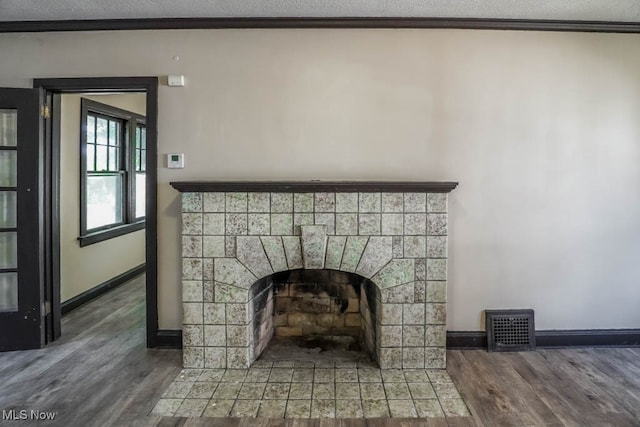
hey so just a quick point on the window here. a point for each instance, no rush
(113, 164)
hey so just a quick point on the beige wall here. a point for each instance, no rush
(83, 268)
(541, 129)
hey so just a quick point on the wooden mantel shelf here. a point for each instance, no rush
(314, 186)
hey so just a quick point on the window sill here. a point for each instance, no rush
(102, 235)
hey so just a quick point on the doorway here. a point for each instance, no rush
(102, 193)
(131, 224)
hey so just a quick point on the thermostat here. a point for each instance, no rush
(174, 80)
(175, 160)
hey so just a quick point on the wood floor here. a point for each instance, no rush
(101, 374)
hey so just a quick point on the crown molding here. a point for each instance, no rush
(318, 23)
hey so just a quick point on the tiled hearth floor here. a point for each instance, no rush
(302, 389)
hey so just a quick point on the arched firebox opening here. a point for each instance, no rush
(314, 315)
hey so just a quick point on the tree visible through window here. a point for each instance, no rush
(113, 164)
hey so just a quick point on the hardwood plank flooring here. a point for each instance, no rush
(551, 387)
(100, 374)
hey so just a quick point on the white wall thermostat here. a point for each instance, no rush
(175, 160)
(176, 81)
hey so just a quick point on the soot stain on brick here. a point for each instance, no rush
(315, 292)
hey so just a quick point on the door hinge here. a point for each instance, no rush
(46, 308)
(45, 112)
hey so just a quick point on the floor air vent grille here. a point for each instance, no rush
(510, 330)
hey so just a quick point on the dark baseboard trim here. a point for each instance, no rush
(85, 297)
(338, 22)
(554, 338)
(466, 339)
(169, 338)
(588, 338)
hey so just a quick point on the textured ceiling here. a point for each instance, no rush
(581, 10)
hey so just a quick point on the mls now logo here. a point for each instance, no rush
(23, 414)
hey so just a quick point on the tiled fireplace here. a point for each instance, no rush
(240, 239)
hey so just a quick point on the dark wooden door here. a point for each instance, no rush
(21, 282)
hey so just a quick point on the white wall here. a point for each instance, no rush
(541, 130)
(84, 268)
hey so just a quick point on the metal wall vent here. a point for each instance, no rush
(510, 330)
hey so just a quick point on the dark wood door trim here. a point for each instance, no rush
(321, 23)
(52, 216)
(149, 85)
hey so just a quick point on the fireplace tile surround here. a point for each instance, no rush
(236, 233)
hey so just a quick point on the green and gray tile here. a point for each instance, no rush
(292, 389)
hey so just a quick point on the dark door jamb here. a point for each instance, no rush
(53, 88)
